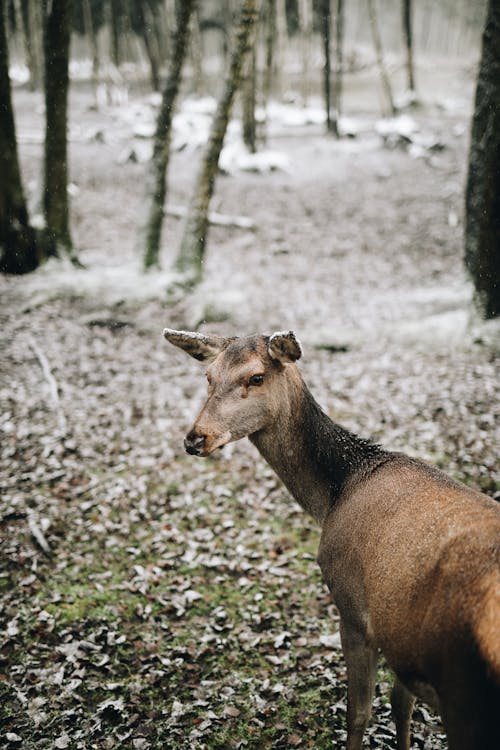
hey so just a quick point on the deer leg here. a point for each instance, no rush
(361, 661)
(402, 702)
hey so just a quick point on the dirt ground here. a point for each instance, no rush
(178, 603)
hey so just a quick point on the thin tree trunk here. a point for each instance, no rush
(30, 13)
(189, 260)
(305, 15)
(18, 252)
(249, 96)
(377, 43)
(148, 22)
(91, 34)
(482, 199)
(57, 34)
(408, 37)
(115, 29)
(271, 31)
(326, 21)
(157, 180)
(339, 59)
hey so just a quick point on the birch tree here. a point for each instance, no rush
(189, 261)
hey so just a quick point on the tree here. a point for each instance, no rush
(482, 199)
(190, 257)
(56, 42)
(325, 12)
(377, 43)
(157, 182)
(339, 57)
(408, 38)
(18, 251)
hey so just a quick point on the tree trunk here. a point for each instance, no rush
(148, 21)
(189, 260)
(271, 32)
(482, 200)
(339, 59)
(305, 14)
(31, 20)
(325, 12)
(157, 182)
(115, 29)
(57, 24)
(91, 34)
(377, 43)
(408, 38)
(17, 239)
(249, 96)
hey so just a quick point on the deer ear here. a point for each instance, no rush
(284, 347)
(203, 347)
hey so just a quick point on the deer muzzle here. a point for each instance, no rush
(198, 444)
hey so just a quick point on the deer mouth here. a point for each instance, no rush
(204, 445)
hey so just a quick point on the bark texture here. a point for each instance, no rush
(189, 261)
(157, 179)
(57, 33)
(17, 238)
(482, 229)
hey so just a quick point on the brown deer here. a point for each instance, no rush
(410, 555)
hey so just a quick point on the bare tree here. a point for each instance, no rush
(408, 38)
(18, 252)
(156, 184)
(190, 257)
(325, 12)
(339, 57)
(377, 43)
(57, 34)
(249, 99)
(482, 200)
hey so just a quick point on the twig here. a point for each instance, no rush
(37, 533)
(52, 383)
(220, 220)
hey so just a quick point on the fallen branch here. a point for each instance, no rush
(52, 383)
(216, 219)
(37, 533)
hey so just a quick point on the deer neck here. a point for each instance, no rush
(314, 457)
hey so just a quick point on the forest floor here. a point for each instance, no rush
(178, 603)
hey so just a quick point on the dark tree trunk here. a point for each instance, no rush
(157, 181)
(326, 23)
(482, 201)
(57, 25)
(408, 38)
(339, 58)
(189, 260)
(17, 239)
(115, 29)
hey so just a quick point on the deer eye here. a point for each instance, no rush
(256, 380)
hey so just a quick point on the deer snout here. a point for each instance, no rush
(194, 443)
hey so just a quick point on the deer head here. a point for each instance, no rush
(245, 384)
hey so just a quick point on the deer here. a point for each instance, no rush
(410, 555)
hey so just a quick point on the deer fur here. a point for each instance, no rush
(411, 556)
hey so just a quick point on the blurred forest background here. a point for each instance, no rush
(233, 166)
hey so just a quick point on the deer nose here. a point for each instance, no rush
(194, 443)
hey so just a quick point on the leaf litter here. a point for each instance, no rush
(179, 604)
